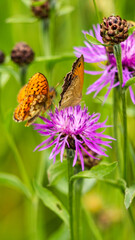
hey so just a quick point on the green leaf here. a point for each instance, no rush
(11, 71)
(56, 171)
(56, 58)
(65, 10)
(38, 3)
(97, 172)
(131, 30)
(93, 40)
(129, 82)
(26, 2)
(118, 183)
(21, 19)
(129, 195)
(52, 202)
(60, 234)
(4, 77)
(12, 181)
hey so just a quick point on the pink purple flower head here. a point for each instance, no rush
(97, 54)
(73, 127)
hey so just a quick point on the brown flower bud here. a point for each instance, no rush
(89, 162)
(2, 57)
(41, 11)
(22, 54)
(113, 30)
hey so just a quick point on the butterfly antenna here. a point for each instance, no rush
(58, 83)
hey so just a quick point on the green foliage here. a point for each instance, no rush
(97, 172)
(12, 181)
(52, 202)
(93, 40)
(21, 210)
(56, 171)
(129, 195)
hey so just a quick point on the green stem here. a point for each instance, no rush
(70, 157)
(45, 37)
(117, 54)
(77, 208)
(23, 72)
(115, 125)
(97, 12)
(52, 28)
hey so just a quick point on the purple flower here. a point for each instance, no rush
(73, 127)
(97, 54)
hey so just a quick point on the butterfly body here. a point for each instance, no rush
(73, 84)
(34, 98)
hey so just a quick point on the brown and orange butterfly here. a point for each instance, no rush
(73, 85)
(33, 98)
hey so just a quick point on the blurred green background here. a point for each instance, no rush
(103, 202)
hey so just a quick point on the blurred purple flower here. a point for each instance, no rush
(71, 128)
(97, 54)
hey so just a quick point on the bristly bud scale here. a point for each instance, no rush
(113, 30)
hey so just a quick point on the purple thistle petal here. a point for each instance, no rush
(81, 158)
(78, 124)
(46, 141)
(97, 54)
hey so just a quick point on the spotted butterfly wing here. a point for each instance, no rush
(73, 84)
(33, 98)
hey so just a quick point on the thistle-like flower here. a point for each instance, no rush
(42, 10)
(98, 54)
(113, 30)
(22, 54)
(72, 128)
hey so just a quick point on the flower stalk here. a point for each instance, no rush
(70, 157)
(117, 54)
(77, 208)
(115, 125)
(97, 12)
(45, 36)
(23, 72)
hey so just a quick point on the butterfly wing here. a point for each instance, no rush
(33, 102)
(22, 94)
(73, 95)
(73, 84)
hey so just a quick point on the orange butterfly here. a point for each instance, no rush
(33, 98)
(73, 84)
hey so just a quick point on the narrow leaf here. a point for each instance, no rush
(11, 71)
(56, 58)
(4, 78)
(12, 181)
(118, 183)
(94, 41)
(26, 2)
(130, 82)
(56, 171)
(65, 10)
(21, 19)
(129, 195)
(52, 202)
(131, 30)
(97, 172)
(60, 234)
(38, 3)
